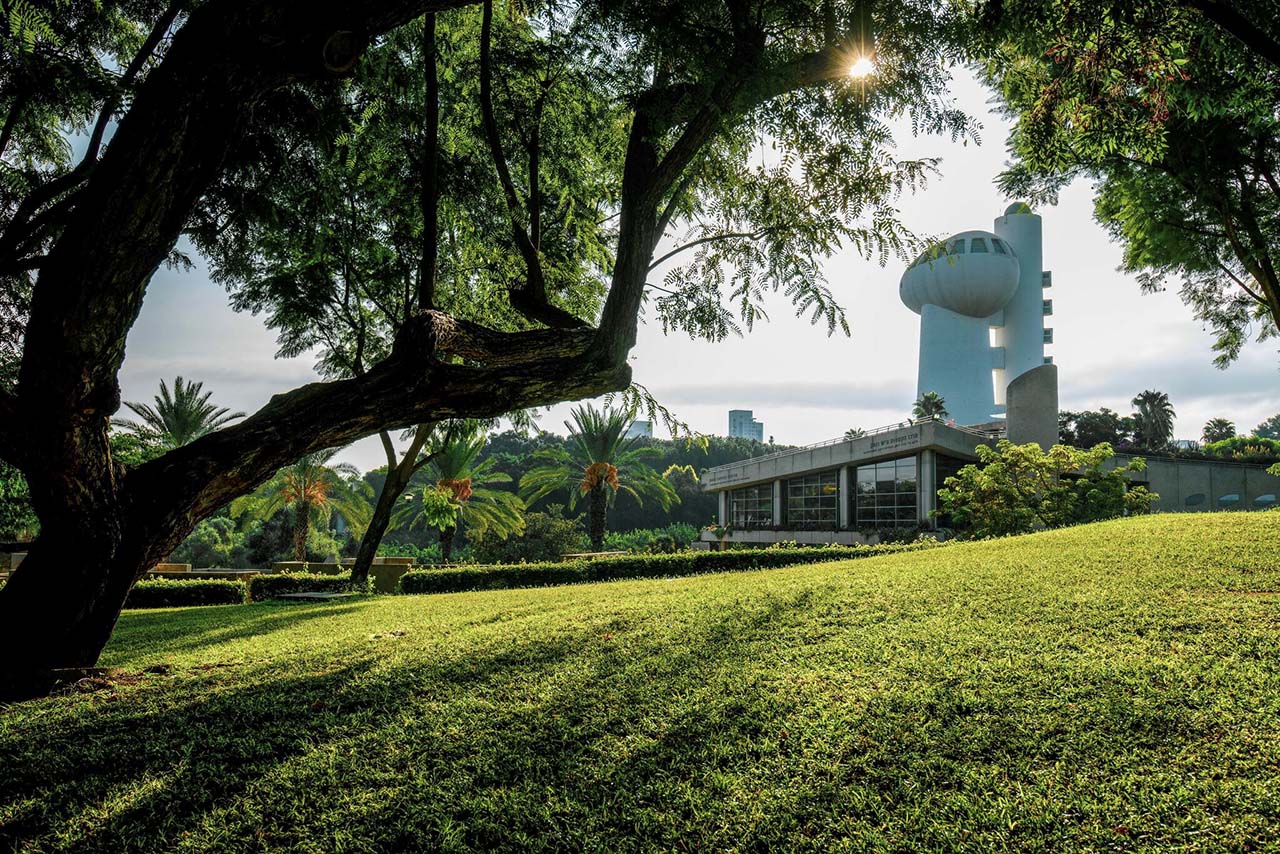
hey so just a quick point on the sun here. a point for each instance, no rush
(863, 66)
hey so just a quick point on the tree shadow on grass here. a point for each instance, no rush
(191, 630)
(655, 731)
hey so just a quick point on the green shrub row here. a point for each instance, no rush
(497, 577)
(171, 593)
(269, 586)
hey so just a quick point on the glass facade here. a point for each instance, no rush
(885, 494)
(813, 501)
(751, 507)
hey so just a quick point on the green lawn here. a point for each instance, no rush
(1110, 687)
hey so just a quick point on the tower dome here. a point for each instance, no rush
(973, 273)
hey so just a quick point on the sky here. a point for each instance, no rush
(1110, 340)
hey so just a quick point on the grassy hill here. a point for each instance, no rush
(1110, 687)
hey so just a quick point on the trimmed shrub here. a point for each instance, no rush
(263, 587)
(174, 593)
(464, 578)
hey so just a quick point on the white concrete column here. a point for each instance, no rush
(842, 513)
(723, 507)
(926, 483)
(777, 504)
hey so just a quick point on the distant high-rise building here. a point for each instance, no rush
(640, 428)
(743, 425)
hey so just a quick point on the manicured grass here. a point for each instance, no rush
(1111, 687)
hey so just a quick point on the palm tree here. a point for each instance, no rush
(314, 491)
(459, 493)
(602, 463)
(930, 406)
(1155, 418)
(1218, 429)
(177, 418)
(854, 433)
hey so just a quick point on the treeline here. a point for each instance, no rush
(514, 454)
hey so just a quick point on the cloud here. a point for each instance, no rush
(1249, 383)
(807, 394)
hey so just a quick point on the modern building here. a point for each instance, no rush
(980, 299)
(842, 490)
(640, 428)
(743, 425)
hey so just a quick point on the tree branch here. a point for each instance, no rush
(410, 387)
(711, 238)
(1231, 21)
(530, 300)
(430, 193)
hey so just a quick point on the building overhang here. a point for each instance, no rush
(881, 444)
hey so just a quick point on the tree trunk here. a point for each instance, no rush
(301, 525)
(599, 507)
(60, 606)
(392, 488)
(58, 611)
(398, 476)
(446, 543)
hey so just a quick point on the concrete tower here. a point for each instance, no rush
(980, 297)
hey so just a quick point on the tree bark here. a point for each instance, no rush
(301, 526)
(599, 511)
(446, 543)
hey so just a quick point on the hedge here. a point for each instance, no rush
(174, 593)
(498, 577)
(269, 586)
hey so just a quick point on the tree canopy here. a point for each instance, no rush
(1173, 109)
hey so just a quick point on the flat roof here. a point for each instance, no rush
(894, 440)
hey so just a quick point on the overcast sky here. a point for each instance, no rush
(1110, 341)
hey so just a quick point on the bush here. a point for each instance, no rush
(214, 543)
(429, 553)
(547, 537)
(174, 593)
(1245, 449)
(262, 587)
(464, 578)
(672, 538)
(1015, 489)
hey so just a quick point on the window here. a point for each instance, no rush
(1048, 335)
(751, 507)
(1230, 500)
(998, 245)
(978, 244)
(1195, 499)
(885, 494)
(1265, 500)
(813, 502)
(1047, 307)
(1046, 279)
(955, 247)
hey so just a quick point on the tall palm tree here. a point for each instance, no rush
(854, 433)
(458, 493)
(1155, 418)
(929, 406)
(602, 463)
(314, 491)
(177, 418)
(1218, 429)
